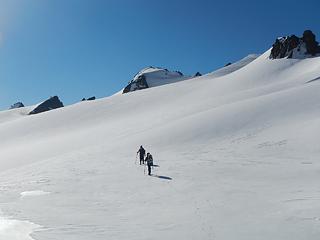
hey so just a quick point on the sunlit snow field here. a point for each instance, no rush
(238, 154)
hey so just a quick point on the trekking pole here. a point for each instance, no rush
(136, 159)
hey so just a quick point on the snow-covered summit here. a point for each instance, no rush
(153, 77)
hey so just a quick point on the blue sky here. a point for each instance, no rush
(81, 48)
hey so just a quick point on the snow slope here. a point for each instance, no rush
(12, 114)
(238, 158)
(233, 67)
(155, 76)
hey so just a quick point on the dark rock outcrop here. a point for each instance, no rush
(17, 105)
(283, 47)
(198, 74)
(138, 84)
(311, 44)
(51, 103)
(89, 99)
(228, 64)
(293, 46)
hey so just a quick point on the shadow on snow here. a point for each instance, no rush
(161, 177)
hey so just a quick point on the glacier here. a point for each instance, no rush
(238, 154)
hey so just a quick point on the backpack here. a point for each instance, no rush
(150, 160)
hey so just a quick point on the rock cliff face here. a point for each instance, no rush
(136, 84)
(51, 103)
(295, 47)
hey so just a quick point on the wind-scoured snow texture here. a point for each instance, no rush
(153, 77)
(238, 157)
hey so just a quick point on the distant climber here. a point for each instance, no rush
(149, 161)
(142, 153)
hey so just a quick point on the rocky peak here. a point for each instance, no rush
(295, 47)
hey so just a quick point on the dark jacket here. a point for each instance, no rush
(142, 152)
